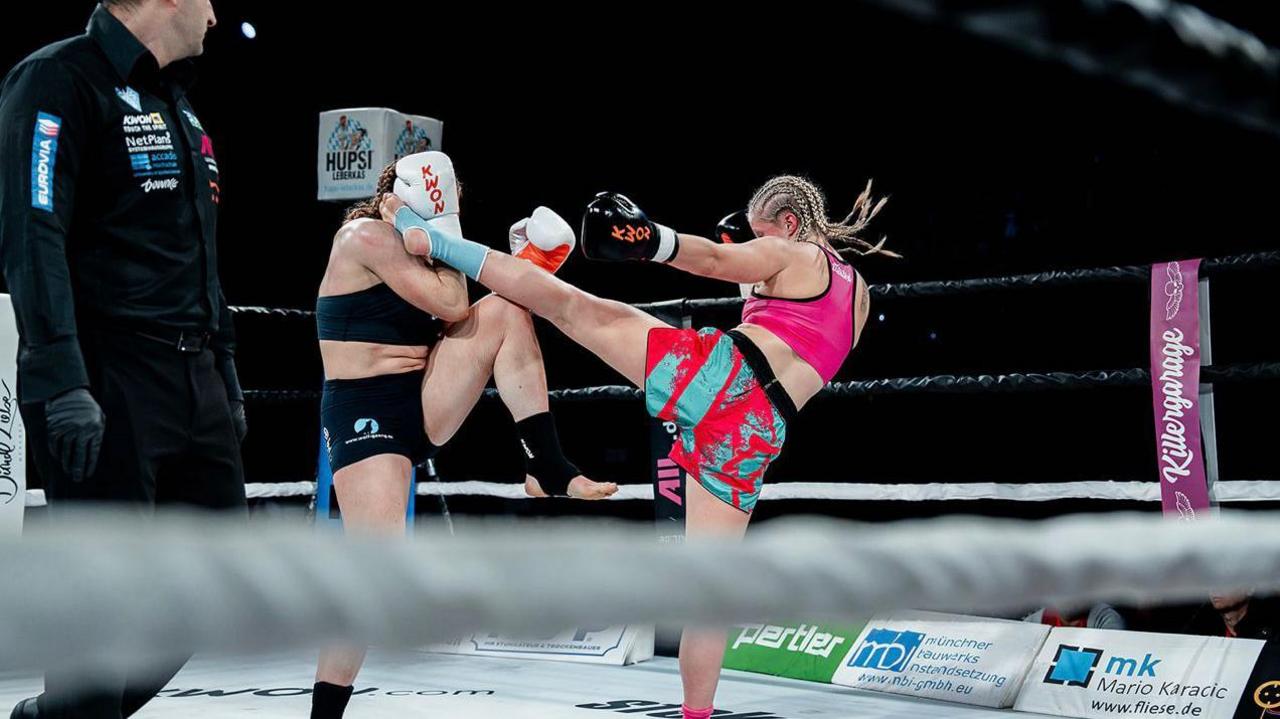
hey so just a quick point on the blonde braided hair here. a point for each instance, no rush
(789, 193)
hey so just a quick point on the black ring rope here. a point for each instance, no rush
(932, 288)
(932, 384)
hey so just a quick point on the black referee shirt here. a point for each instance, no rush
(108, 202)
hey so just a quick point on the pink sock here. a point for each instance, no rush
(696, 713)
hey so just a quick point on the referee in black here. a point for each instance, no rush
(109, 195)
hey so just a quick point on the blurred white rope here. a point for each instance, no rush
(118, 589)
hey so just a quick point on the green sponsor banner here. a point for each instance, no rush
(798, 651)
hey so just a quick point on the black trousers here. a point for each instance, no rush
(169, 440)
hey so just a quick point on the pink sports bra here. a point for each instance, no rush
(819, 329)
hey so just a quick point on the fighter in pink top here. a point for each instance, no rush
(818, 329)
(731, 394)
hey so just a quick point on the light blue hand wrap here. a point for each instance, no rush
(461, 254)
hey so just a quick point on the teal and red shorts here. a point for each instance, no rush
(730, 411)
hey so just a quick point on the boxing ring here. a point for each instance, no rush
(514, 576)
(255, 601)
(679, 312)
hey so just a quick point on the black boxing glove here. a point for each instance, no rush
(615, 230)
(734, 229)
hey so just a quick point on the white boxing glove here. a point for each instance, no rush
(543, 238)
(427, 184)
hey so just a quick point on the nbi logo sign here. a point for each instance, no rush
(886, 650)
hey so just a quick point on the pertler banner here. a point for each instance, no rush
(811, 652)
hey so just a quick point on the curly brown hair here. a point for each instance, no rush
(369, 208)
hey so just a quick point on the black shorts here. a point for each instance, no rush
(369, 416)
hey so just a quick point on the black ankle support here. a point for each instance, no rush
(543, 457)
(329, 701)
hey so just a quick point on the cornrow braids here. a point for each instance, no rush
(789, 193)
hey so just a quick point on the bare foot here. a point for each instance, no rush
(579, 488)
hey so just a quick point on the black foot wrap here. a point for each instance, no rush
(543, 458)
(329, 701)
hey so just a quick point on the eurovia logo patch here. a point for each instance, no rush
(44, 157)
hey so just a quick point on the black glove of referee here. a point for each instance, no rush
(75, 425)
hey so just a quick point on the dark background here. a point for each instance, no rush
(996, 163)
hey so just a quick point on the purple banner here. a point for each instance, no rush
(1175, 388)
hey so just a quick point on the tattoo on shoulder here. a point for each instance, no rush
(866, 299)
